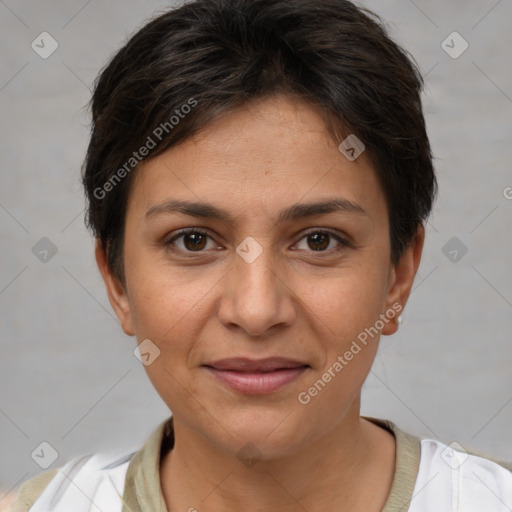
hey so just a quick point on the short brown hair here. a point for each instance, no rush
(216, 55)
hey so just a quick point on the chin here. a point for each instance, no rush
(273, 433)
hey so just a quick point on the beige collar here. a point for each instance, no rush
(143, 492)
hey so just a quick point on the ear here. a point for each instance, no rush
(115, 291)
(401, 278)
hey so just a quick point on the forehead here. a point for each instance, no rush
(268, 154)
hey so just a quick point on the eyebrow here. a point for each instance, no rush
(293, 212)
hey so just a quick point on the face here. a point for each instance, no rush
(265, 275)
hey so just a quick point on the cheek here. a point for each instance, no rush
(346, 302)
(347, 309)
(171, 307)
(170, 316)
(163, 298)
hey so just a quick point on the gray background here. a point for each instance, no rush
(68, 373)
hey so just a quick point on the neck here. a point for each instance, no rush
(350, 468)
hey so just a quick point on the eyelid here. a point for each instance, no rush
(185, 231)
(343, 240)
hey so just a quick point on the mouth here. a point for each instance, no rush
(251, 376)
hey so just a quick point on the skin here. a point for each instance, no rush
(291, 301)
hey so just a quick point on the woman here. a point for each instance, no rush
(258, 179)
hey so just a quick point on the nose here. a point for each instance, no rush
(257, 296)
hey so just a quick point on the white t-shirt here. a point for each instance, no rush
(430, 476)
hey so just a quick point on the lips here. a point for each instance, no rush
(256, 377)
(242, 364)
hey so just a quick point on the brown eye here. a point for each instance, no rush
(193, 240)
(319, 241)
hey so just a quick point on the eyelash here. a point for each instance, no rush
(343, 242)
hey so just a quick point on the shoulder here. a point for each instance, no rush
(31, 490)
(97, 478)
(433, 475)
(466, 477)
(455, 455)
